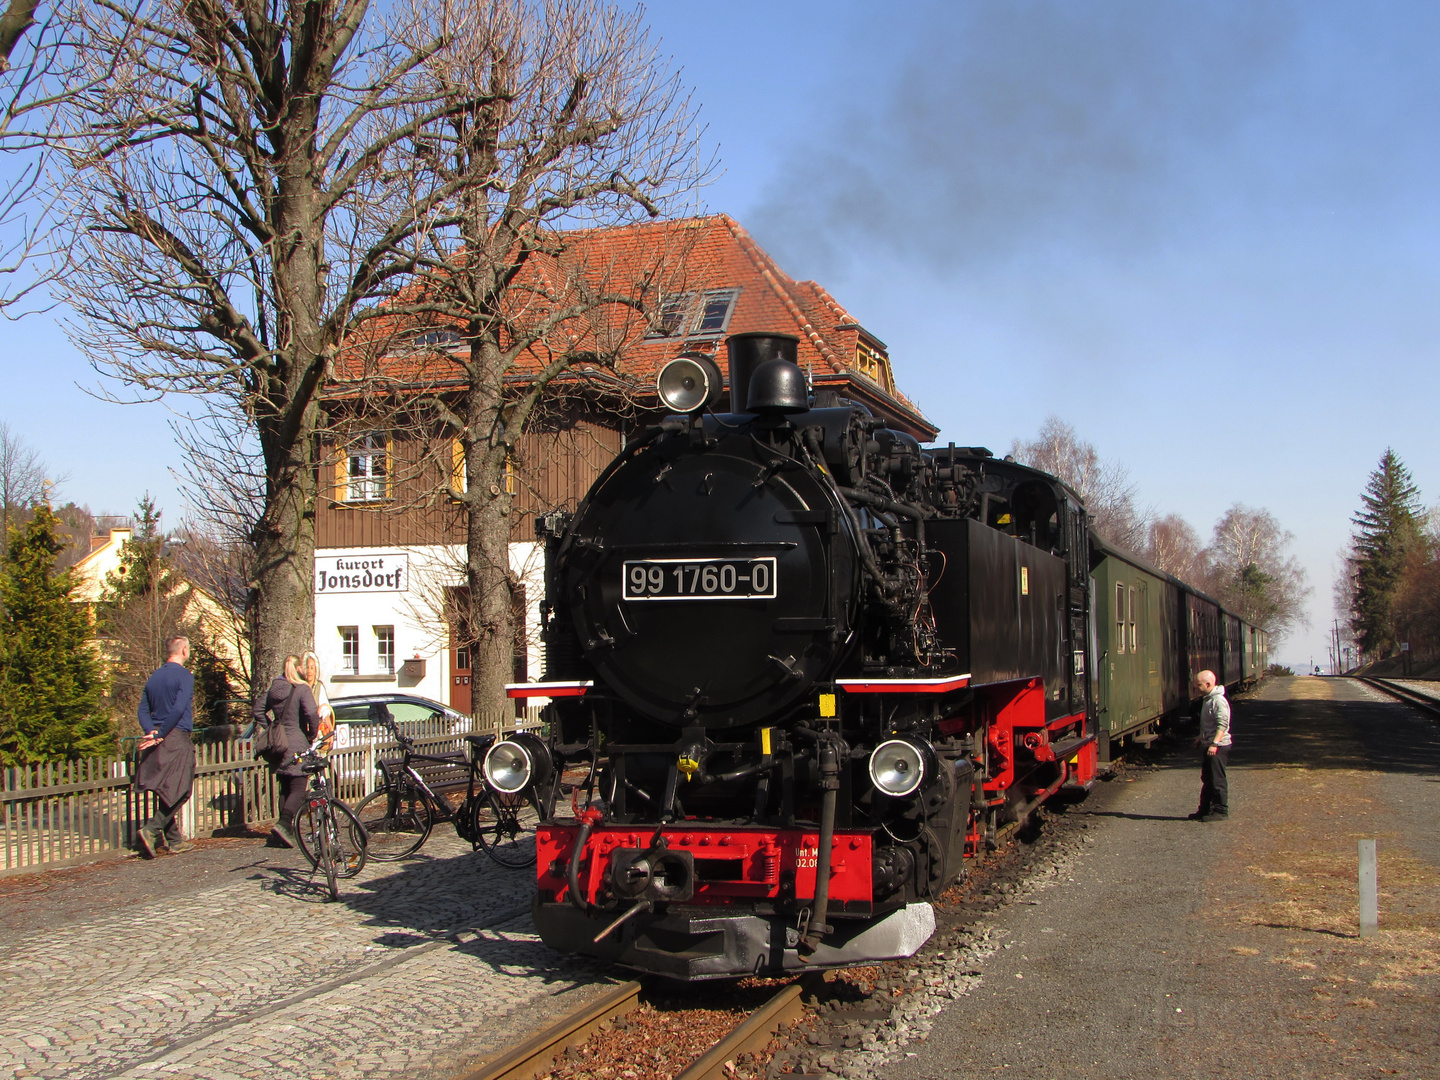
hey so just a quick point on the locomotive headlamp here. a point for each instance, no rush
(515, 764)
(689, 383)
(897, 767)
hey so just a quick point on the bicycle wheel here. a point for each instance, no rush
(307, 831)
(353, 839)
(396, 822)
(327, 854)
(349, 837)
(505, 832)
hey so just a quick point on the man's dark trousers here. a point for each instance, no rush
(166, 820)
(1214, 794)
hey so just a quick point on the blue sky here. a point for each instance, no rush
(1205, 234)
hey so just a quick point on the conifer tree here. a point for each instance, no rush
(146, 599)
(1387, 529)
(50, 684)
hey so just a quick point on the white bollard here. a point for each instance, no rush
(1369, 898)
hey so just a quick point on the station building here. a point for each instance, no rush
(390, 553)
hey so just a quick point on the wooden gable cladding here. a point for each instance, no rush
(553, 468)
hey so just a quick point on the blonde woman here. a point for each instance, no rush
(310, 665)
(295, 721)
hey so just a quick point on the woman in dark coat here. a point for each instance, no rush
(296, 721)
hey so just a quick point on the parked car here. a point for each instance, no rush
(360, 718)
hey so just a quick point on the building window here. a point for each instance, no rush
(367, 469)
(385, 648)
(350, 650)
(699, 314)
(437, 339)
(873, 364)
(671, 320)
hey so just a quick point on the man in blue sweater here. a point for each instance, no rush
(167, 761)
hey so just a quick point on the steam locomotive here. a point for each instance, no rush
(812, 666)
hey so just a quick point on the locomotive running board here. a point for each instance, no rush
(547, 689)
(903, 686)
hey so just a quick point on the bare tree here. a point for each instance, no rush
(1105, 486)
(40, 72)
(1174, 546)
(232, 225)
(19, 17)
(562, 116)
(1253, 573)
(22, 480)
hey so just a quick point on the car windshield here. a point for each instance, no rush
(403, 712)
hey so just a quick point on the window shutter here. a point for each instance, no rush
(389, 467)
(457, 465)
(342, 473)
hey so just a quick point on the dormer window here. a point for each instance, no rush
(873, 364)
(694, 314)
(437, 339)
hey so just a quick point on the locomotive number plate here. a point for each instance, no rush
(699, 579)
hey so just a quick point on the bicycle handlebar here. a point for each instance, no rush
(404, 740)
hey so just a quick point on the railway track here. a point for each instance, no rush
(1410, 697)
(539, 1053)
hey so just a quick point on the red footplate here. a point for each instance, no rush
(729, 863)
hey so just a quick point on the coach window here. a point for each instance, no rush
(1119, 618)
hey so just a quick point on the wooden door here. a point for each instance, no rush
(460, 672)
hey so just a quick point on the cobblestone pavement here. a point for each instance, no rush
(423, 965)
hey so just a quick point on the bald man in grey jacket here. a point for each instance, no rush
(1214, 741)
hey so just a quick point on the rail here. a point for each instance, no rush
(753, 1034)
(540, 1052)
(1401, 693)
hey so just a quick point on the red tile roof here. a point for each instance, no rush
(696, 255)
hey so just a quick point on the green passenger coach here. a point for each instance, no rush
(1151, 635)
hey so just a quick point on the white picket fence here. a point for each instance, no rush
(73, 812)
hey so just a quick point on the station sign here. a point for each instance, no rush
(362, 572)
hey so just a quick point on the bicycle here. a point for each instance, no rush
(399, 815)
(338, 852)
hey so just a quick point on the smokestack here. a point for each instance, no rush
(749, 351)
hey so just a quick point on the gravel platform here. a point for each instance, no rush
(1143, 944)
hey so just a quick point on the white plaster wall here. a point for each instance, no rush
(420, 629)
